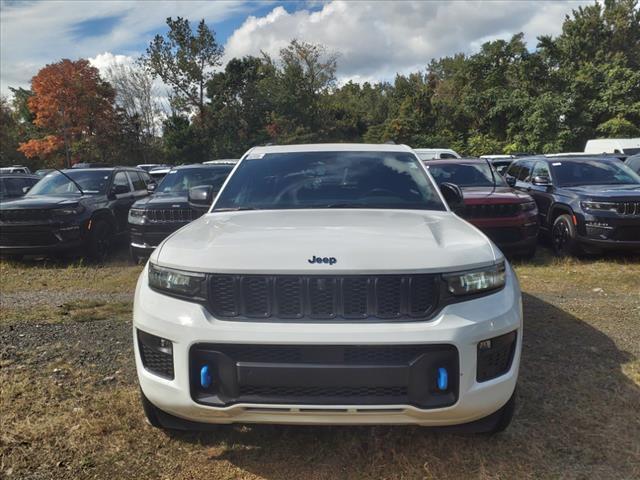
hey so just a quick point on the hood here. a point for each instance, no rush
(41, 201)
(607, 192)
(488, 195)
(361, 241)
(163, 200)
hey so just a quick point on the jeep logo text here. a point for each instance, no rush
(329, 260)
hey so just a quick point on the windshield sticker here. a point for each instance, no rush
(172, 171)
(556, 164)
(255, 156)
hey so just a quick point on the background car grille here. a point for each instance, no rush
(323, 297)
(626, 234)
(628, 208)
(26, 237)
(168, 215)
(25, 215)
(504, 234)
(491, 210)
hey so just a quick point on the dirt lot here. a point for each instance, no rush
(69, 401)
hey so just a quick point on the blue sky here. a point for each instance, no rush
(374, 40)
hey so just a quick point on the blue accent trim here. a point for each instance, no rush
(443, 378)
(205, 377)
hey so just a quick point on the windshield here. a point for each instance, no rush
(330, 180)
(466, 174)
(92, 182)
(593, 172)
(183, 179)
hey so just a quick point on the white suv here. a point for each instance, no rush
(328, 284)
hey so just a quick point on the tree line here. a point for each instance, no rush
(583, 83)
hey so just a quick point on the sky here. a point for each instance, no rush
(374, 39)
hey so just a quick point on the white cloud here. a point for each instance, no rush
(379, 39)
(33, 34)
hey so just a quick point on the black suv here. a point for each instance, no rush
(15, 185)
(153, 219)
(71, 210)
(586, 203)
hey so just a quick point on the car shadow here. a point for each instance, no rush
(575, 416)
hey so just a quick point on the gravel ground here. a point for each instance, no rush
(56, 298)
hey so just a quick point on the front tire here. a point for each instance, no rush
(564, 237)
(99, 243)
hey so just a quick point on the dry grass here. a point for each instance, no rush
(68, 416)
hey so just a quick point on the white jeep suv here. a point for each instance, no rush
(328, 284)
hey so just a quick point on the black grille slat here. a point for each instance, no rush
(358, 297)
(171, 215)
(156, 361)
(25, 215)
(342, 392)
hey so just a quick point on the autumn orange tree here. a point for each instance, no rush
(73, 108)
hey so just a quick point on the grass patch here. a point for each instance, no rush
(76, 311)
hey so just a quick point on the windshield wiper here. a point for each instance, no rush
(233, 209)
(72, 180)
(341, 205)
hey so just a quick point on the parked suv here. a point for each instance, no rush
(329, 284)
(71, 210)
(154, 218)
(586, 204)
(507, 217)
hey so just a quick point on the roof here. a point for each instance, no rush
(331, 147)
(222, 161)
(569, 158)
(191, 165)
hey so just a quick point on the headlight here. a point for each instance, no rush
(528, 206)
(476, 281)
(601, 206)
(177, 282)
(66, 211)
(137, 216)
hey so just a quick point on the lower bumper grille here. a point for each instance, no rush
(504, 235)
(627, 234)
(324, 375)
(26, 237)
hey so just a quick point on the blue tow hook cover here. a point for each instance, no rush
(205, 377)
(443, 379)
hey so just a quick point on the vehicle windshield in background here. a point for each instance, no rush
(466, 174)
(182, 180)
(593, 172)
(631, 151)
(330, 180)
(92, 182)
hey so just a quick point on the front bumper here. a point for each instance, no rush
(460, 326)
(41, 238)
(511, 234)
(145, 238)
(609, 231)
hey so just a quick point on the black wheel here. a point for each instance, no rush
(99, 242)
(151, 412)
(563, 237)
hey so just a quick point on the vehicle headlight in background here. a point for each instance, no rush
(137, 216)
(528, 206)
(177, 282)
(600, 206)
(476, 281)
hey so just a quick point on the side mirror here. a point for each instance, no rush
(151, 187)
(119, 189)
(201, 196)
(511, 181)
(542, 181)
(453, 195)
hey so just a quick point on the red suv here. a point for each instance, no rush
(507, 217)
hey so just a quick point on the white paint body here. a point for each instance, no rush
(365, 241)
(612, 145)
(435, 153)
